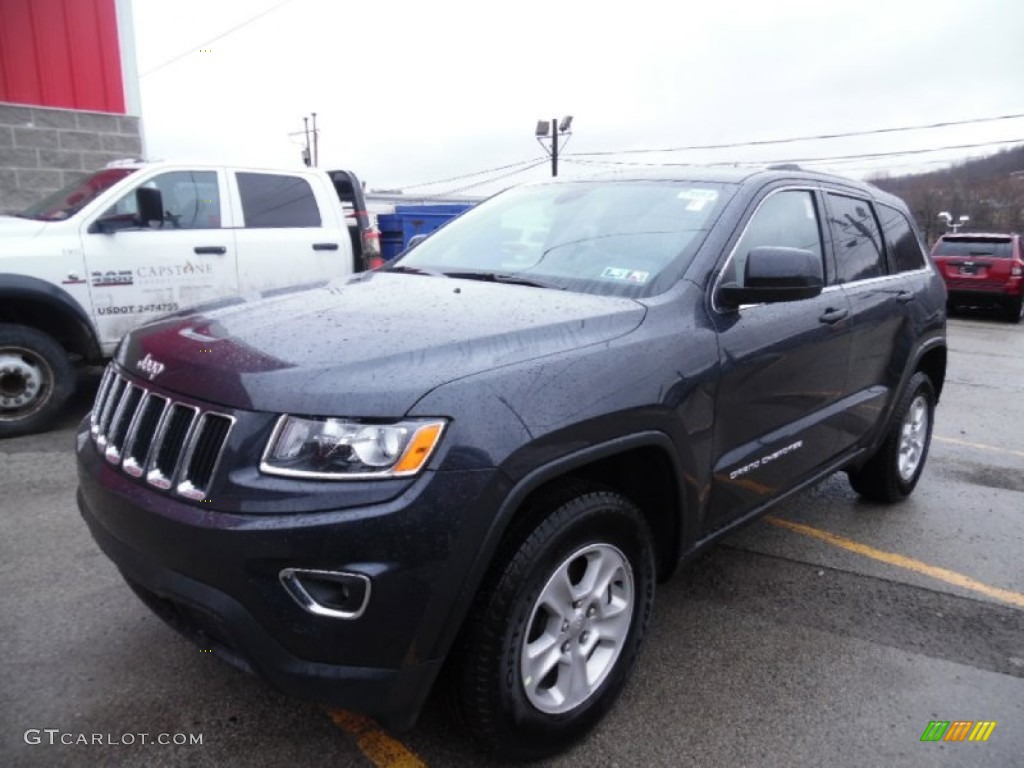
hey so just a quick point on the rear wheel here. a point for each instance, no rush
(1012, 309)
(892, 472)
(36, 380)
(557, 627)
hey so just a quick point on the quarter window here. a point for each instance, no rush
(272, 200)
(857, 241)
(904, 247)
(786, 219)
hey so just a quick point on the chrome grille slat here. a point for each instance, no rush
(123, 418)
(172, 444)
(136, 454)
(176, 430)
(101, 398)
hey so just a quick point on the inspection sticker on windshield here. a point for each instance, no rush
(698, 198)
(629, 275)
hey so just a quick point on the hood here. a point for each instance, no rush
(12, 227)
(366, 346)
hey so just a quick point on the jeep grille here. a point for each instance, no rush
(172, 445)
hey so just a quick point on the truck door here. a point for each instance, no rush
(783, 370)
(289, 232)
(138, 273)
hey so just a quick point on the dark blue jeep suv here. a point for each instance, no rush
(486, 454)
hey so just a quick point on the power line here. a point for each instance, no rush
(765, 142)
(470, 175)
(542, 161)
(773, 161)
(193, 49)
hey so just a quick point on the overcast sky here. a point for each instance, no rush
(411, 92)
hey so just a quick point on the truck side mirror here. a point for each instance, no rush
(775, 274)
(150, 205)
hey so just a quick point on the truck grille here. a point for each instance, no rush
(172, 445)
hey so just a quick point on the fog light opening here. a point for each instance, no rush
(334, 594)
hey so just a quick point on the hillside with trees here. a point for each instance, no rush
(990, 190)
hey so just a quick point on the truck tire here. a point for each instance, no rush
(892, 472)
(557, 628)
(36, 380)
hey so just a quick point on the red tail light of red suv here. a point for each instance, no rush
(982, 270)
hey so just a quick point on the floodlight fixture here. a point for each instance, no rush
(565, 124)
(543, 127)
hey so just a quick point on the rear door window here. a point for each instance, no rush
(856, 238)
(904, 247)
(272, 200)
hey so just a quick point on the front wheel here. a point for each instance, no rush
(557, 627)
(36, 379)
(892, 472)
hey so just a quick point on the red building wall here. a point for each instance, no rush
(61, 53)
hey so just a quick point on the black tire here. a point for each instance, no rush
(1012, 309)
(881, 478)
(36, 380)
(505, 713)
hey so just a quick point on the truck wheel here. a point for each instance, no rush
(36, 380)
(556, 630)
(891, 474)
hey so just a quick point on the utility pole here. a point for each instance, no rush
(310, 152)
(306, 157)
(316, 143)
(553, 129)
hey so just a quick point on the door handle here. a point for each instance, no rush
(832, 315)
(325, 246)
(904, 296)
(219, 250)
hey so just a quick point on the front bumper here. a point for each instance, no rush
(215, 577)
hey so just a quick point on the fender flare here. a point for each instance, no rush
(532, 481)
(56, 299)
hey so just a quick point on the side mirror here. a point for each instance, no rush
(415, 240)
(776, 274)
(150, 205)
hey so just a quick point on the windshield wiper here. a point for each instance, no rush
(504, 277)
(414, 270)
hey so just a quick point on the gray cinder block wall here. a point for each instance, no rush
(43, 149)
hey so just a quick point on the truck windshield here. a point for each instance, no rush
(616, 237)
(70, 200)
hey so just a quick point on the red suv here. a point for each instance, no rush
(982, 270)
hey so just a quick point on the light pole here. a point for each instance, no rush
(950, 224)
(554, 129)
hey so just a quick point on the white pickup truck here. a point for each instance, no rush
(136, 240)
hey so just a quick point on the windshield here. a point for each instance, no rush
(623, 238)
(70, 200)
(975, 246)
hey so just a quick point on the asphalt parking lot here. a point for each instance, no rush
(830, 633)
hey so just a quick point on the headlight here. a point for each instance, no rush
(343, 449)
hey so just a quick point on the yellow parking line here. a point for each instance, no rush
(1015, 599)
(382, 750)
(979, 446)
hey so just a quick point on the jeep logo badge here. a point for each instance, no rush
(150, 367)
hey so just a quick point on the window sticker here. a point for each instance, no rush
(627, 275)
(698, 198)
